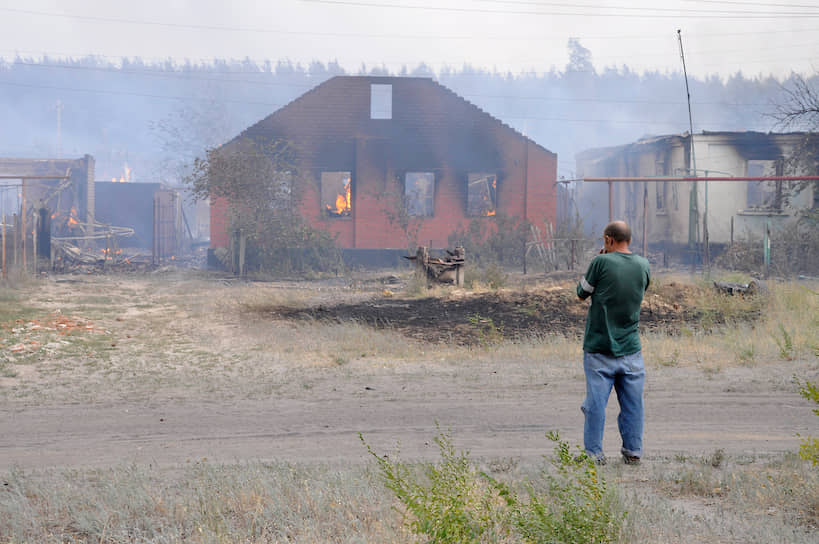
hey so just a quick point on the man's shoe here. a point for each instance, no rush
(631, 460)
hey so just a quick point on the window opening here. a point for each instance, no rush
(661, 188)
(662, 191)
(419, 192)
(481, 194)
(336, 194)
(380, 101)
(763, 194)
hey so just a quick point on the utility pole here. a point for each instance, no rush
(23, 221)
(693, 210)
(706, 242)
(3, 227)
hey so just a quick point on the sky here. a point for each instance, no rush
(719, 37)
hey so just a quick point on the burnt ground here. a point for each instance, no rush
(464, 318)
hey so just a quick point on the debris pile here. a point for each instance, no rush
(449, 269)
(70, 259)
(732, 288)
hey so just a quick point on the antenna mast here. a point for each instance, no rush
(693, 219)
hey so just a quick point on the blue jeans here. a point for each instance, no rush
(627, 375)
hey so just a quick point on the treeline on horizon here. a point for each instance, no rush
(156, 116)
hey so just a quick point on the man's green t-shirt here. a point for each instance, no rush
(616, 282)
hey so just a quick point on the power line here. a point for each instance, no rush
(186, 73)
(633, 8)
(313, 84)
(721, 14)
(715, 14)
(763, 4)
(611, 100)
(144, 95)
(178, 75)
(483, 37)
(97, 18)
(273, 105)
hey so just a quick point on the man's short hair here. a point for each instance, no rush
(618, 231)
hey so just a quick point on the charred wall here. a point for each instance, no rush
(128, 205)
(431, 130)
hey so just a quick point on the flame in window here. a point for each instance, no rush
(343, 203)
(487, 197)
(481, 192)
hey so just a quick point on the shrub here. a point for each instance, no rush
(577, 507)
(809, 450)
(452, 501)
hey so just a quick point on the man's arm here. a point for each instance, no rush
(585, 287)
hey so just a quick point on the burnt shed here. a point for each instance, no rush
(128, 205)
(368, 145)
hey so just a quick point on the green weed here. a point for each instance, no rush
(809, 449)
(578, 506)
(672, 360)
(746, 355)
(488, 332)
(452, 501)
(494, 276)
(785, 344)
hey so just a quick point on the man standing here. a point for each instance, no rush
(616, 282)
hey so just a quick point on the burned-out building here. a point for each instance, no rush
(128, 205)
(367, 146)
(54, 208)
(674, 213)
(66, 187)
(152, 212)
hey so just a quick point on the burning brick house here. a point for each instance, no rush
(368, 146)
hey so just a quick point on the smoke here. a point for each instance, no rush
(152, 114)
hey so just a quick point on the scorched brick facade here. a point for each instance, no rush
(390, 136)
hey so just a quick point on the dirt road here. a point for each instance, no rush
(508, 422)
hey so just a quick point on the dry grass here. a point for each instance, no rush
(670, 500)
(787, 329)
(721, 498)
(201, 502)
(201, 338)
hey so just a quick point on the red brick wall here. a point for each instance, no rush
(218, 223)
(432, 130)
(541, 201)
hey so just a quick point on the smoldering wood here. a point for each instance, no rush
(447, 270)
